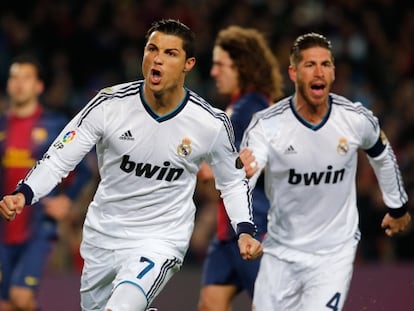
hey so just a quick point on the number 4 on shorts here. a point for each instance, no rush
(333, 303)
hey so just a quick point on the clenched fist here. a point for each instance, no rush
(249, 247)
(11, 205)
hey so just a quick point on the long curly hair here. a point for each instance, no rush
(252, 57)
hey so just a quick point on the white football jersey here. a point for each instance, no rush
(148, 166)
(310, 172)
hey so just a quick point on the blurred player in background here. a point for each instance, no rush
(26, 130)
(151, 137)
(247, 72)
(307, 143)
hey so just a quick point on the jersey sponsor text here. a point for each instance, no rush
(151, 171)
(315, 178)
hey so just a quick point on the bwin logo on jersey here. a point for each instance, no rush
(315, 178)
(184, 149)
(148, 170)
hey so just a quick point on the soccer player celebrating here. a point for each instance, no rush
(308, 145)
(151, 137)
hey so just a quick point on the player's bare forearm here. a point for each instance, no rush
(11, 205)
(394, 226)
(249, 247)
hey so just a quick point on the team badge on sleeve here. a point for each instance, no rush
(184, 149)
(67, 138)
(343, 146)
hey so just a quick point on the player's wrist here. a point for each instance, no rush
(26, 191)
(398, 212)
(246, 227)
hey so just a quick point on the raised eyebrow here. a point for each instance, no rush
(152, 45)
(313, 62)
(168, 50)
(309, 62)
(172, 50)
(327, 62)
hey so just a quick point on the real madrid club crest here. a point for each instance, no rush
(343, 146)
(184, 149)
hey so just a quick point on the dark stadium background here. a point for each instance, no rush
(87, 45)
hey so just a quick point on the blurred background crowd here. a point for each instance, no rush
(90, 44)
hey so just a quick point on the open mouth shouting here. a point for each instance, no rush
(318, 88)
(155, 76)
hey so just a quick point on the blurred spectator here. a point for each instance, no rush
(26, 131)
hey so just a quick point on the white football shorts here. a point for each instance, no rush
(304, 282)
(104, 270)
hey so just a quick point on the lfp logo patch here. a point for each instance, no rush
(69, 136)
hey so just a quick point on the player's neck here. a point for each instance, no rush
(21, 110)
(312, 112)
(164, 102)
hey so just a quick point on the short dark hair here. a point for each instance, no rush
(307, 41)
(33, 60)
(176, 28)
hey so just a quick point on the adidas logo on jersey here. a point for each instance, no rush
(126, 136)
(290, 150)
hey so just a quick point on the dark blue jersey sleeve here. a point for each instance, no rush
(243, 110)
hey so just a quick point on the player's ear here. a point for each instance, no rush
(40, 87)
(292, 73)
(189, 64)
